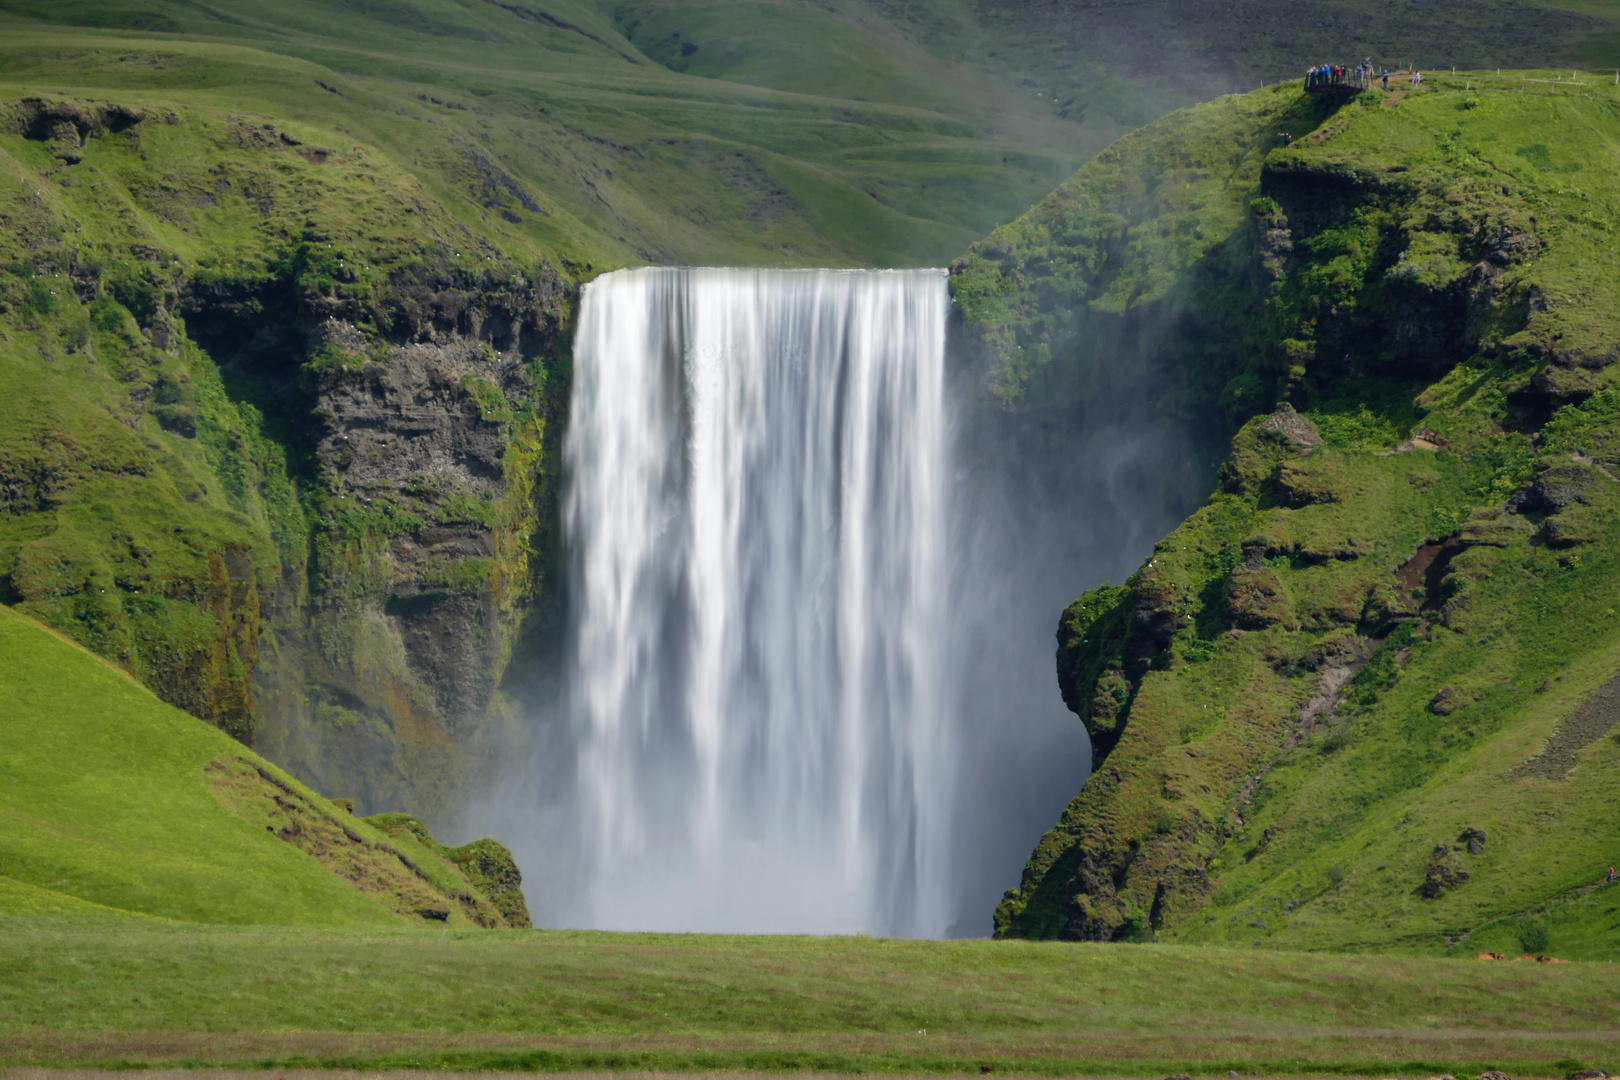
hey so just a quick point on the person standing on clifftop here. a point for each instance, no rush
(1386, 78)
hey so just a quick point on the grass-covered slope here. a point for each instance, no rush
(1363, 698)
(762, 132)
(546, 127)
(113, 802)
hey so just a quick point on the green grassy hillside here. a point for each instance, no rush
(550, 132)
(115, 804)
(1364, 698)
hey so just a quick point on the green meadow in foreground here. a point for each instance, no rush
(105, 990)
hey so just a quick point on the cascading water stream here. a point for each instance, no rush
(758, 521)
(803, 680)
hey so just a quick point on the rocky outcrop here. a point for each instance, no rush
(413, 452)
(65, 125)
(1445, 873)
(421, 883)
(1092, 641)
(484, 864)
(1560, 497)
(434, 457)
(1256, 599)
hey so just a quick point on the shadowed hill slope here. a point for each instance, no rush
(1361, 698)
(115, 802)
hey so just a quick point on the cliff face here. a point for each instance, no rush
(278, 436)
(1317, 711)
(431, 462)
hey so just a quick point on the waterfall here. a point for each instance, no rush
(757, 524)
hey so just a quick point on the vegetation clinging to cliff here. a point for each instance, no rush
(1378, 607)
(175, 336)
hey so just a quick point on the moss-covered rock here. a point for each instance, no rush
(485, 865)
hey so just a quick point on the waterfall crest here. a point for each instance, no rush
(758, 526)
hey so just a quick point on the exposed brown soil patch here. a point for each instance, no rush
(1427, 568)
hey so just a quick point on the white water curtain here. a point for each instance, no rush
(757, 521)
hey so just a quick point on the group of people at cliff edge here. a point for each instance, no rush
(1359, 77)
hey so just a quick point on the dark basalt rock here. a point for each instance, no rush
(67, 125)
(1092, 638)
(1443, 874)
(1560, 494)
(1556, 486)
(1156, 615)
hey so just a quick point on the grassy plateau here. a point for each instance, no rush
(766, 132)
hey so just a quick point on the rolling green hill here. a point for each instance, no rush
(1364, 698)
(115, 804)
(551, 132)
(767, 132)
